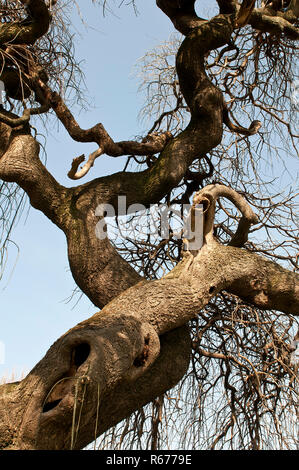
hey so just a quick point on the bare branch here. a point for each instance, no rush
(14, 121)
(154, 143)
(253, 128)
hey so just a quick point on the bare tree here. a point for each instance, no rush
(214, 321)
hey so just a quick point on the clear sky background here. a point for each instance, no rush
(33, 310)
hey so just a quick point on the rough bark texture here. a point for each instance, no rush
(27, 31)
(137, 346)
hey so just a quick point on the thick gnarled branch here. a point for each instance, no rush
(98, 270)
(274, 23)
(208, 197)
(16, 121)
(104, 372)
(115, 350)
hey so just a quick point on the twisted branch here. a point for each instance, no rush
(208, 197)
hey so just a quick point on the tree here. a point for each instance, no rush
(229, 303)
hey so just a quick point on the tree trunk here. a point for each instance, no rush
(137, 347)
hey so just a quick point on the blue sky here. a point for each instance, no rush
(33, 312)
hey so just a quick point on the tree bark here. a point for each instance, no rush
(109, 365)
(27, 31)
(137, 346)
